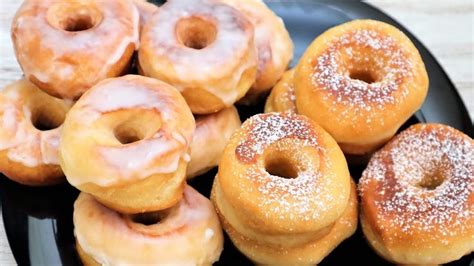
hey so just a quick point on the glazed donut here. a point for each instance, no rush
(30, 121)
(282, 97)
(146, 10)
(274, 45)
(125, 142)
(188, 233)
(209, 140)
(204, 48)
(360, 81)
(65, 47)
(282, 182)
(417, 196)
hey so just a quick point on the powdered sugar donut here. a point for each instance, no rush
(283, 183)
(417, 196)
(361, 81)
(282, 98)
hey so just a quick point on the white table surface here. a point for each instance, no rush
(445, 27)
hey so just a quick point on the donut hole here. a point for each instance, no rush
(281, 166)
(135, 125)
(287, 159)
(46, 118)
(195, 33)
(431, 181)
(148, 218)
(363, 75)
(126, 133)
(79, 23)
(73, 17)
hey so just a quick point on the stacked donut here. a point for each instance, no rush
(283, 191)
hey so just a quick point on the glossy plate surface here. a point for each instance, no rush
(38, 221)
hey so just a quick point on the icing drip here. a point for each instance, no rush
(71, 52)
(25, 144)
(219, 58)
(159, 151)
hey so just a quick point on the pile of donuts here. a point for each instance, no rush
(283, 192)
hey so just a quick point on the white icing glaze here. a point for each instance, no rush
(271, 38)
(98, 48)
(146, 10)
(220, 58)
(25, 144)
(208, 234)
(160, 153)
(139, 158)
(157, 244)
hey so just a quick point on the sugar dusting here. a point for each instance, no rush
(371, 51)
(303, 198)
(290, 96)
(263, 130)
(398, 171)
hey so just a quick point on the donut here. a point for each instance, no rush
(360, 81)
(209, 140)
(273, 43)
(188, 233)
(204, 48)
(146, 10)
(311, 252)
(126, 142)
(283, 183)
(66, 47)
(30, 122)
(417, 196)
(282, 97)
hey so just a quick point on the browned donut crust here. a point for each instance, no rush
(361, 81)
(417, 196)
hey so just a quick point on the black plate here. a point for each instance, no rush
(38, 221)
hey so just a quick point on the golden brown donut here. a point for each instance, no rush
(203, 48)
(274, 45)
(210, 138)
(282, 181)
(417, 196)
(311, 252)
(188, 233)
(65, 47)
(30, 122)
(282, 97)
(126, 142)
(361, 81)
